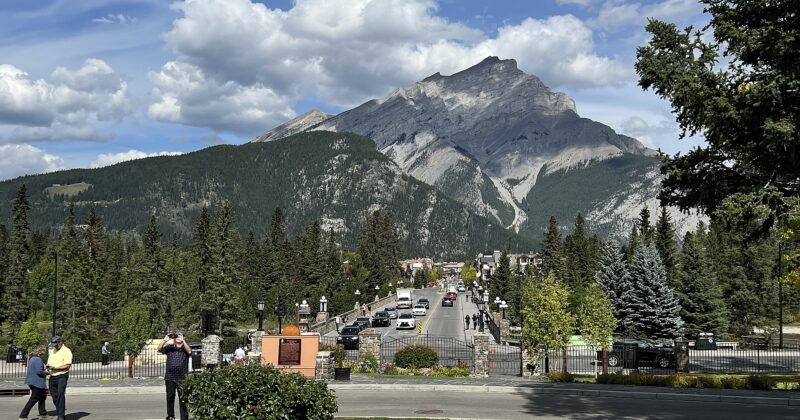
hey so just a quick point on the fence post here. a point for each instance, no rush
(480, 342)
(369, 341)
(682, 355)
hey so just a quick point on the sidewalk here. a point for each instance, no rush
(508, 384)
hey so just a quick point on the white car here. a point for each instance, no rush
(406, 320)
(419, 310)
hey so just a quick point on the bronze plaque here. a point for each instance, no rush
(289, 351)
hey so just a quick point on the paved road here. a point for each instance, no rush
(440, 404)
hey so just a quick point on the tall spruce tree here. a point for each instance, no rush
(700, 296)
(646, 231)
(665, 243)
(4, 244)
(581, 256)
(634, 242)
(152, 282)
(226, 268)
(615, 280)
(15, 308)
(501, 278)
(379, 247)
(655, 311)
(552, 252)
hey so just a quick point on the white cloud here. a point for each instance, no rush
(115, 18)
(24, 159)
(583, 3)
(67, 107)
(108, 159)
(253, 62)
(615, 15)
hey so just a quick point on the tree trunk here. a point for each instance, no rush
(605, 362)
(130, 366)
(564, 356)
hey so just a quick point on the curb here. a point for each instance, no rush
(667, 396)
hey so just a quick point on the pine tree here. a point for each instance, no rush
(702, 307)
(501, 278)
(15, 308)
(552, 249)
(581, 256)
(226, 269)
(646, 231)
(379, 247)
(665, 243)
(615, 280)
(152, 279)
(4, 244)
(655, 309)
(634, 242)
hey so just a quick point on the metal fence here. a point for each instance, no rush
(746, 359)
(149, 364)
(493, 328)
(504, 360)
(330, 342)
(451, 351)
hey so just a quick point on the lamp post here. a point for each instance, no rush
(780, 295)
(497, 301)
(358, 294)
(54, 256)
(280, 311)
(377, 289)
(323, 304)
(503, 307)
(260, 306)
(481, 307)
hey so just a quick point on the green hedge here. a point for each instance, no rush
(756, 382)
(256, 392)
(416, 356)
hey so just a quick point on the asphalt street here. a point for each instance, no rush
(439, 404)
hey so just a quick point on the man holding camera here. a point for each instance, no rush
(58, 364)
(178, 352)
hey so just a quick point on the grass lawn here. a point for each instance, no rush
(67, 190)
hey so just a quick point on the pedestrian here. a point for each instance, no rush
(337, 321)
(474, 321)
(58, 365)
(466, 322)
(239, 356)
(104, 354)
(35, 381)
(369, 310)
(363, 310)
(177, 351)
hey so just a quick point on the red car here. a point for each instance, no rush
(451, 295)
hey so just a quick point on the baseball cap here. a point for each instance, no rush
(55, 339)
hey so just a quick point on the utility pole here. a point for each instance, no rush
(54, 256)
(780, 294)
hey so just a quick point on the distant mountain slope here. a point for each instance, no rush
(294, 126)
(333, 177)
(486, 136)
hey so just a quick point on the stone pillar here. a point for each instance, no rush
(322, 317)
(369, 341)
(529, 359)
(255, 341)
(212, 351)
(481, 348)
(324, 365)
(682, 354)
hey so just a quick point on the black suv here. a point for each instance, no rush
(647, 353)
(447, 302)
(349, 337)
(362, 323)
(425, 302)
(380, 319)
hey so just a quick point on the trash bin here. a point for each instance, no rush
(629, 356)
(705, 342)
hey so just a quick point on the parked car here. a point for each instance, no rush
(391, 311)
(647, 353)
(381, 319)
(447, 301)
(419, 310)
(348, 337)
(362, 323)
(406, 320)
(425, 302)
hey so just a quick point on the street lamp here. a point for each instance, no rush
(54, 256)
(481, 308)
(260, 306)
(280, 311)
(503, 307)
(323, 304)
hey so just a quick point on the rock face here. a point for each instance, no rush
(294, 126)
(485, 135)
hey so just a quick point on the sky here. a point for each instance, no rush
(94, 82)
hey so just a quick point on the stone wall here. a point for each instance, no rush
(212, 351)
(325, 365)
(255, 341)
(329, 325)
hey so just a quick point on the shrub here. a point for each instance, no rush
(450, 371)
(729, 382)
(368, 363)
(561, 377)
(90, 353)
(760, 382)
(255, 391)
(416, 356)
(339, 355)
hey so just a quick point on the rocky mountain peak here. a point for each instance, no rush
(294, 126)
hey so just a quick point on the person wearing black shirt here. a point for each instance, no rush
(178, 352)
